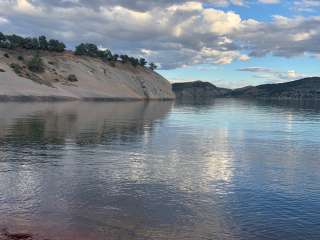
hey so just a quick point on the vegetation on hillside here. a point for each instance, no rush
(153, 66)
(84, 49)
(14, 41)
(36, 64)
(91, 50)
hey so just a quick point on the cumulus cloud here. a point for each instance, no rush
(306, 5)
(175, 35)
(140, 5)
(256, 70)
(172, 33)
(285, 37)
(3, 20)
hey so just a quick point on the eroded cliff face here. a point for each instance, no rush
(70, 77)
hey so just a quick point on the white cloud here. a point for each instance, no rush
(292, 74)
(297, 37)
(3, 20)
(224, 3)
(186, 7)
(272, 75)
(173, 33)
(24, 6)
(220, 22)
(244, 58)
(176, 35)
(269, 1)
(285, 37)
(306, 5)
(256, 70)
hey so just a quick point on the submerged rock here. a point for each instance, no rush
(6, 235)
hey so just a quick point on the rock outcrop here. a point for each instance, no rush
(69, 77)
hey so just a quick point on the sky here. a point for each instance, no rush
(230, 43)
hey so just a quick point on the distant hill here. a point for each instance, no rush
(198, 90)
(307, 88)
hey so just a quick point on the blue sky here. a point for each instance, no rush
(230, 76)
(231, 43)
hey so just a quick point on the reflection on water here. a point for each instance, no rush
(225, 169)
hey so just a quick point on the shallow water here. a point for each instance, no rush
(226, 169)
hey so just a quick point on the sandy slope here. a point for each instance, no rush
(96, 79)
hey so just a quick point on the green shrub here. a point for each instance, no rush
(153, 66)
(20, 58)
(16, 68)
(72, 78)
(91, 50)
(6, 55)
(36, 64)
(56, 46)
(142, 62)
(43, 43)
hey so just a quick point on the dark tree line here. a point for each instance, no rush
(84, 49)
(41, 43)
(91, 50)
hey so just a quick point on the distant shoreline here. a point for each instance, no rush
(303, 89)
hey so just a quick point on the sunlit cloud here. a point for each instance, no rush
(173, 33)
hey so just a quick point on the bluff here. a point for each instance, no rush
(66, 76)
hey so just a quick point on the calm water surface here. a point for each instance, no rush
(226, 169)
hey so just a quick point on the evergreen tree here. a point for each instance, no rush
(153, 66)
(15, 41)
(88, 49)
(2, 37)
(124, 58)
(142, 62)
(56, 46)
(80, 50)
(43, 43)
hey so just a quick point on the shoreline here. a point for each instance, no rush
(5, 98)
(8, 98)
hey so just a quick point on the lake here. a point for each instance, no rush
(224, 169)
